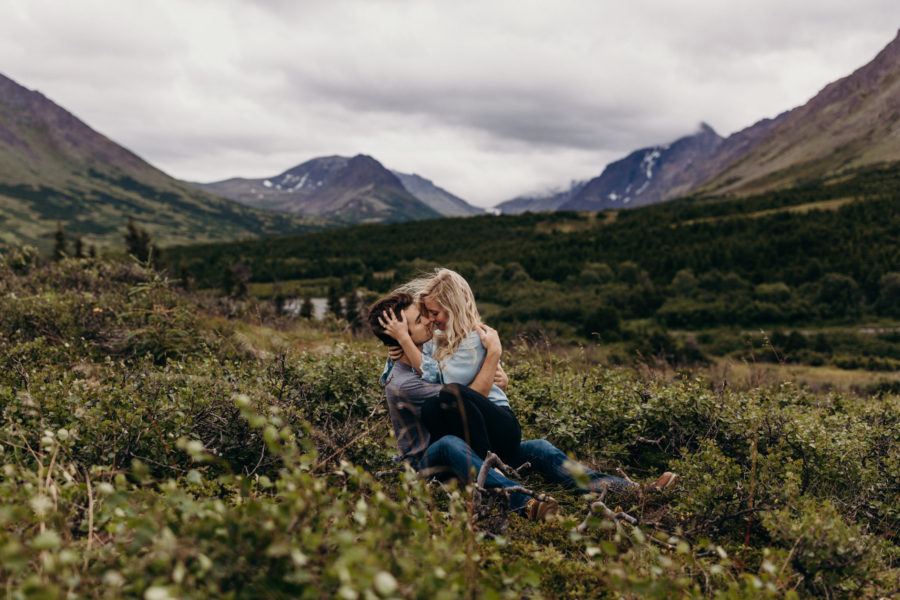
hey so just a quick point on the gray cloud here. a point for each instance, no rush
(489, 99)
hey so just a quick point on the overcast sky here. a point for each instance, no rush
(489, 99)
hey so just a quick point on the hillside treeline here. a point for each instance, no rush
(821, 253)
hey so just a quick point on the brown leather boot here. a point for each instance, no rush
(538, 510)
(666, 480)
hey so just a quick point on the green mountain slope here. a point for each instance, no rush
(56, 169)
(853, 122)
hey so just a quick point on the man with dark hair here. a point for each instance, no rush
(396, 303)
(405, 395)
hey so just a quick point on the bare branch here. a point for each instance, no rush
(90, 511)
(259, 462)
(624, 475)
(385, 473)
(657, 442)
(491, 461)
(481, 509)
(521, 489)
(665, 545)
(615, 516)
(364, 433)
(599, 486)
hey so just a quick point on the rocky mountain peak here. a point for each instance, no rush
(868, 78)
(348, 190)
(706, 129)
(648, 175)
(324, 164)
(436, 197)
(365, 170)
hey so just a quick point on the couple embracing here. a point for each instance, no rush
(445, 393)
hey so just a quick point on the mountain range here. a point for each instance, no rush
(546, 201)
(56, 170)
(347, 190)
(853, 122)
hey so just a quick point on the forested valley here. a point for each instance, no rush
(809, 275)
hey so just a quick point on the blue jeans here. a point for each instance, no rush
(545, 458)
(451, 451)
(549, 461)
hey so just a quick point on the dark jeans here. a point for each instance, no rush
(463, 412)
(550, 462)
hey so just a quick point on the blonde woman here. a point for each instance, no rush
(455, 356)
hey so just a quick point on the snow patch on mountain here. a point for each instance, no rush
(649, 161)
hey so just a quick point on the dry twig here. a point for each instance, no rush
(656, 442)
(493, 461)
(90, 498)
(637, 487)
(615, 516)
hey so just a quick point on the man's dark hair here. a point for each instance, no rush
(396, 302)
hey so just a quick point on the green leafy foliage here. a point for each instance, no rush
(150, 451)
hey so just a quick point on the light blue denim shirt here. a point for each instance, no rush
(462, 367)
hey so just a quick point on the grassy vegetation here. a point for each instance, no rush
(832, 204)
(161, 444)
(96, 205)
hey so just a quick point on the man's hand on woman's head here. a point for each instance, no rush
(489, 338)
(394, 327)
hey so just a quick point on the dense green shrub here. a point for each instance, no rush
(741, 455)
(838, 296)
(188, 464)
(603, 321)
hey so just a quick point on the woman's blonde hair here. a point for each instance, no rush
(452, 293)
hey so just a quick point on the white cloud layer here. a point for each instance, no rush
(489, 99)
